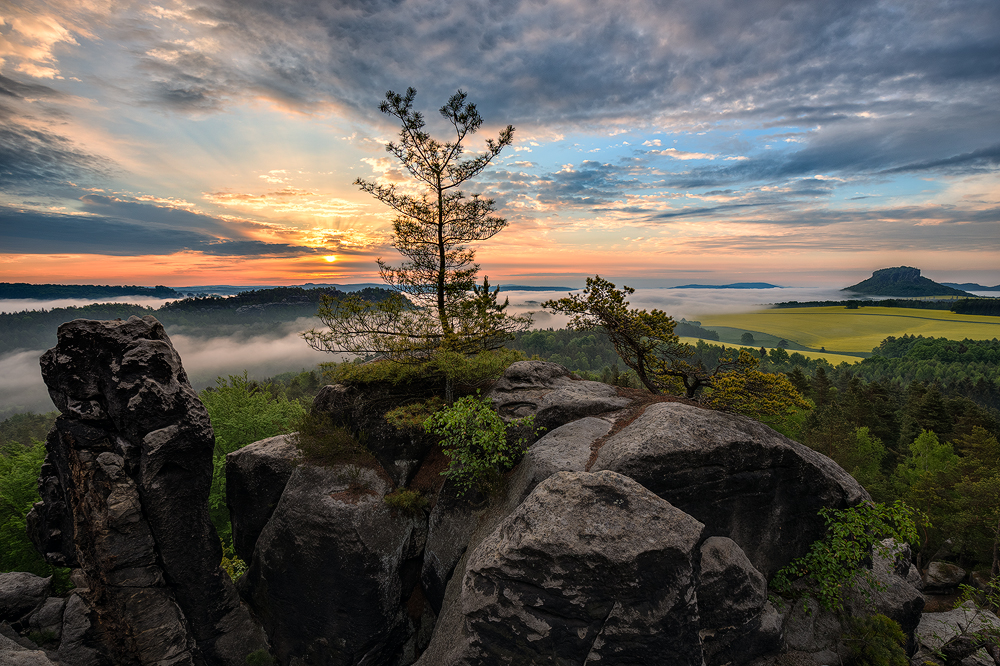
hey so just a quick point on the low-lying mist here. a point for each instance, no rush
(22, 389)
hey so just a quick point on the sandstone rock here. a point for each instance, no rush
(48, 618)
(453, 520)
(590, 568)
(363, 409)
(945, 631)
(737, 476)
(14, 654)
(943, 577)
(81, 643)
(255, 478)
(21, 593)
(125, 497)
(894, 596)
(730, 592)
(334, 568)
(547, 391)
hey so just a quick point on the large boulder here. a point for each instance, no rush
(14, 654)
(454, 519)
(125, 488)
(551, 394)
(334, 569)
(255, 478)
(737, 476)
(590, 568)
(21, 593)
(953, 634)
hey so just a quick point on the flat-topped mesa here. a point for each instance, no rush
(125, 488)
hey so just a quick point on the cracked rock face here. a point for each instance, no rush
(590, 568)
(125, 488)
(739, 477)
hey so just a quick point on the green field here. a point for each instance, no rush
(861, 330)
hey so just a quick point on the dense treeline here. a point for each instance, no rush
(53, 291)
(969, 306)
(250, 313)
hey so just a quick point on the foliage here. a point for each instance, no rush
(19, 469)
(260, 657)
(411, 417)
(465, 372)
(408, 502)
(748, 391)
(26, 428)
(443, 308)
(231, 563)
(875, 640)
(835, 561)
(644, 340)
(481, 446)
(646, 343)
(324, 442)
(242, 411)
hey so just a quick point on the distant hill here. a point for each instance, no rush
(902, 281)
(47, 292)
(970, 286)
(735, 285)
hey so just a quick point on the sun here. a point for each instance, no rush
(331, 258)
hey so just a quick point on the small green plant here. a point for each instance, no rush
(406, 501)
(835, 561)
(411, 417)
(875, 640)
(259, 658)
(323, 442)
(231, 563)
(42, 638)
(481, 446)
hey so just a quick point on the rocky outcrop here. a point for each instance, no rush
(362, 409)
(256, 476)
(21, 593)
(334, 569)
(737, 476)
(549, 392)
(955, 635)
(943, 577)
(590, 568)
(124, 497)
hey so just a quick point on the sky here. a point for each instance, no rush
(656, 143)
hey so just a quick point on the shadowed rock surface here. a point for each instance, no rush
(334, 568)
(125, 497)
(590, 568)
(736, 475)
(255, 478)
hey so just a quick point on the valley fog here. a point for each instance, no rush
(22, 389)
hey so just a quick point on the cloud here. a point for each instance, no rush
(139, 230)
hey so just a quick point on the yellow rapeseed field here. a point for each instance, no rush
(840, 329)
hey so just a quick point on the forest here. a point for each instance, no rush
(917, 420)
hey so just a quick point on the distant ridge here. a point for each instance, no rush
(46, 292)
(735, 285)
(904, 281)
(970, 286)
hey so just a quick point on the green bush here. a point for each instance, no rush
(324, 442)
(411, 417)
(875, 640)
(260, 658)
(481, 446)
(409, 502)
(242, 412)
(19, 468)
(835, 560)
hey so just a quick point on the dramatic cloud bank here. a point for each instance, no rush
(190, 141)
